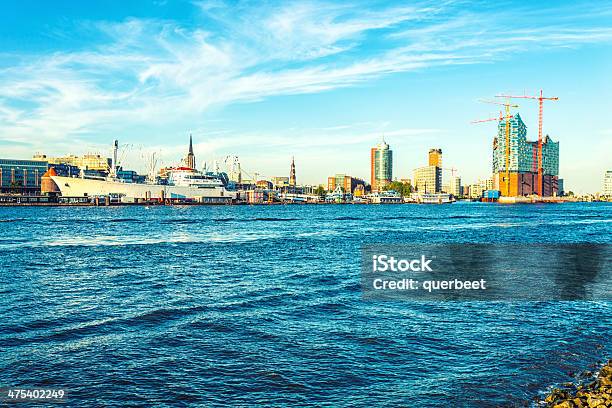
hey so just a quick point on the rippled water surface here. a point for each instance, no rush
(261, 305)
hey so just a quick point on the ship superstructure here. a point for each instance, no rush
(179, 183)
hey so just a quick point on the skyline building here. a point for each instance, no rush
(190, 159)
(21, 176)
(381, 165)
(88, 161)
(280, 181)
(348, 183)
(476, 190)
(607, 187)
(453, 187)
(435, 157)
(523, 161)
(428, 179)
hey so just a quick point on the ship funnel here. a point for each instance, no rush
(47, 185)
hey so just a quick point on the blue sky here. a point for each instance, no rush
(320, 81)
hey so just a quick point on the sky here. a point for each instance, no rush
(319, 81)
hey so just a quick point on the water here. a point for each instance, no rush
(262, 306)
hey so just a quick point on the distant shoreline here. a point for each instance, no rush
(250, 204)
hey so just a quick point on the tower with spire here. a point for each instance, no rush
(292, 179)
(190, 160)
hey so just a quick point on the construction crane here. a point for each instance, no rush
(451, 169)
(541, 100)
(499, 119)
(508, 116)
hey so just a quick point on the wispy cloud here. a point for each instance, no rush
(151, 73)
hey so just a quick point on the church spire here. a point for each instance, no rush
(292, 179)
(190, 156)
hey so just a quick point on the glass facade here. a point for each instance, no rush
(523, 153)
(21, 176)
(382, 166)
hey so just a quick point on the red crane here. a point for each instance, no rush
(541, 100)
(499, 119)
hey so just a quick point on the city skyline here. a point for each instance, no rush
(319, 81)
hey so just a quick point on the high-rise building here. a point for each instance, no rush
(292, 179)
(428, 179)
(381, 165)
(607, 187)
(435, 157)
(523, 161)
(190, 159)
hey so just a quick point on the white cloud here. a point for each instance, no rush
(153, 74)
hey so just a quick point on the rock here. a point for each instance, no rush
(595, 401)
(595, 394)
(568, 385)
(557, 395)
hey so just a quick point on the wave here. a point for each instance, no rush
(179, 221)
(273, 219)
(122, 220)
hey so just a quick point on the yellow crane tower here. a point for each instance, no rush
(508, 116)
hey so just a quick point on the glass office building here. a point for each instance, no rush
(523, 153)
(21, 176)
(381, 166)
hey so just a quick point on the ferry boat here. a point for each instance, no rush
(432, 198)
(385, 197)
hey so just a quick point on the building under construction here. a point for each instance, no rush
(523, 161)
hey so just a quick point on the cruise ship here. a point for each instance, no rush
(178, 183)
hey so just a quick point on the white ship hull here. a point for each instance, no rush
(431, 198)
(87, 187)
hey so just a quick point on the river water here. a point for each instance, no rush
(262, 305)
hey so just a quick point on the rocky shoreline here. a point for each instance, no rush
(594, 392)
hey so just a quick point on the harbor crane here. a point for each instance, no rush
(508, 116)
(237, 171)
(541, 100)
(451, 169)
